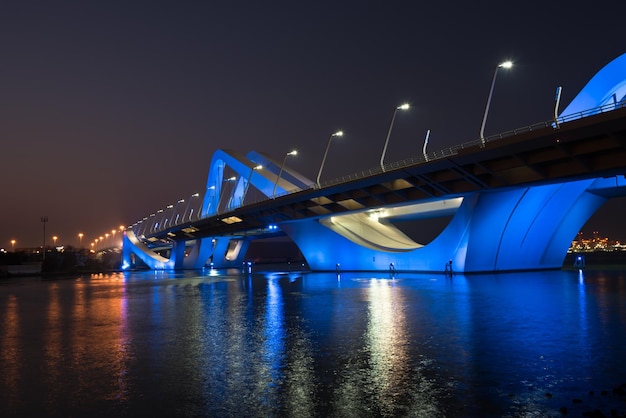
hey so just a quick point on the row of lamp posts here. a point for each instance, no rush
(405, 106)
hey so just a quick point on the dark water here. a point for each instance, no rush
(304, 345)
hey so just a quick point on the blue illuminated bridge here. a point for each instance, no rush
(515, 200)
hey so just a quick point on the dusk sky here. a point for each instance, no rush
(110, 110)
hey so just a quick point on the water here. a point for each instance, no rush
(313, 345)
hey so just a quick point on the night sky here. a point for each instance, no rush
(110, 110)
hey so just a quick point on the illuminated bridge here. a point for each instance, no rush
(515, 200)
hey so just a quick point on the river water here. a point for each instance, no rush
(231, 344)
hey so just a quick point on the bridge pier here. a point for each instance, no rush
(510, 230)
(217, 252)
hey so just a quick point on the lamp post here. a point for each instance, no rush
(172, 220)
(44, 220)
(187, 207)
(404, 106)
(219, 201)
(164, 219)
(319, 173)
(156, 223)
(210, 204)
(12, 245)
(506, 64)
(294, 152)
(80, 240)
(54, 240)
(247, 186)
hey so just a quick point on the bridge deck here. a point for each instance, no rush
(590, 147)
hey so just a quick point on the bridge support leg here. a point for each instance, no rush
(200, 252)
(132, 245)
(177, 256)
(520, 229)
(229, 252)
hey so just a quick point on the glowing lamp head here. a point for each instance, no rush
(294, 152)
(338, 133)
(404, 106)
(506, 64)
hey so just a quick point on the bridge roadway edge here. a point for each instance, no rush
(503, 164)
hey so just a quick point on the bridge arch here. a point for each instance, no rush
(518, 228)
(607, 87)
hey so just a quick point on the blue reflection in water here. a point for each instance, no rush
(189, 344)
(273, 350)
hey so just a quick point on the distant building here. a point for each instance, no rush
(595, 243)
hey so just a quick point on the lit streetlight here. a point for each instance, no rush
(404, 106)
(80, 240)
(294, 152)
(211, 203)
(506, 65)
(13, 245)
(156, 224)
(164, 219)
(247, 185)
(187, 208)
(44, 220)
(219, 201)
(172, 220)
(54, 240)
(319, 173)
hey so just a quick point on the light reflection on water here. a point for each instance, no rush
(290, 344)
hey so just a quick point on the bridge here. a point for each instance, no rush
(516, 200)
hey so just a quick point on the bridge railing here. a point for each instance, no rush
(454, 150)
(414, 160)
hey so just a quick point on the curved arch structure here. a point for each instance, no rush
(519, 229)
(491, 230)
(605, 88)
(257, 169)
(265, 179)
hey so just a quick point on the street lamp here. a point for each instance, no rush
(219, 201)
(164, 219)
(187, 208)
(12, 245)
(294, 152)
(507, 65)
(319, 173)
(80, 240)
(404, 106)
(44, 220)
(54, 240)
(247, 185)
(172, 220)
(157, 224)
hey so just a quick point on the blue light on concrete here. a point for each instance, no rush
(491, 230)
